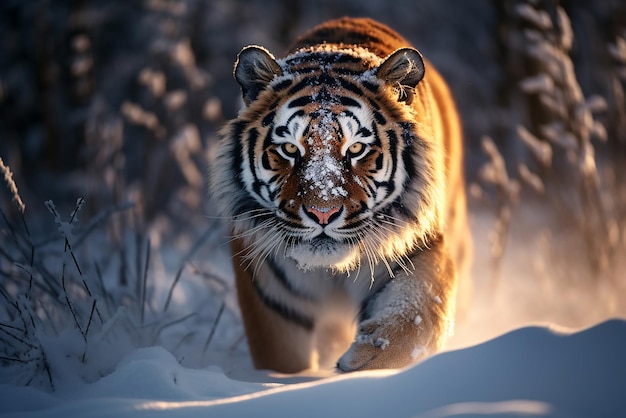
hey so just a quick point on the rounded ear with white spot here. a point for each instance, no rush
(254, 69)
(404, 68)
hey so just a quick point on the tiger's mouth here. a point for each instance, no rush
(323, 240)
(320, 251)
(324, 245)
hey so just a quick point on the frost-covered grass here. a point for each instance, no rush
(74, 301)
(571, 167)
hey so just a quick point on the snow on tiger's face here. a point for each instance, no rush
(324, 167)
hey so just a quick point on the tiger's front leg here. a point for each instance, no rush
(409, 318)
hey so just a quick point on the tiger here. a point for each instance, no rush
(342, 182)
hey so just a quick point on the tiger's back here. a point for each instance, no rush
(343, 179)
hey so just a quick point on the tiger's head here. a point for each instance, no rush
(330, 162)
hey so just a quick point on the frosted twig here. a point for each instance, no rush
(13, 359)
(16, 338)
(198, 244)
(73, 217)
(507, 191)
(144, 282)
(538, 18)
(99, 219)
(531, 179)
(93, 308)
(214, 327)
(571, 129)
(541, 150)
(65, 230)
(161, 327)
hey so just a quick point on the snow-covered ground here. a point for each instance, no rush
(532, 371)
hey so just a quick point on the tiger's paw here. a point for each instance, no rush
(386, 344)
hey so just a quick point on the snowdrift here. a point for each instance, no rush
(532, 371)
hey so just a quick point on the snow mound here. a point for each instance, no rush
(532, 371)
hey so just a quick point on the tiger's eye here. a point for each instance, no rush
(356, 149)
(290, 149)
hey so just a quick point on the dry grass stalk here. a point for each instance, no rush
(570, 130)
(494, 173)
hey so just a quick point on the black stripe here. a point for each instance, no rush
(282, 85)
(280, 275)
(364, 132)
(347, 71)
(348, 101)
(407, 132)
(350, 86)
(374, 105)
(370, 86)
(320, 58)
(265, 162)
(349, 114)
(379, 162)
(286, 312)
(370, 187)
(269, 118)
(267, 141)
(343, 59)
(281, 131)
(271, 194)
(409, 164)
(308, 69)
(380, 119)
(237, 130)
(350, 217)
(253, 136)
(244, 203)
(273, 105)
(377, 142)
(393, 149)
(304, 83)
(295, 114)
(300, 101)
(326, 79)
(382, 184)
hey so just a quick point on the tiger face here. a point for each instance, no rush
(325, 163)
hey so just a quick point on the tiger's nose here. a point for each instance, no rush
(322, 216)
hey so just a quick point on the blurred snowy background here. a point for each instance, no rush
(109, 110)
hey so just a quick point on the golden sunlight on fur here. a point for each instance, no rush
(342, 178)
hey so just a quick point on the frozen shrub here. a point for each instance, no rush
(564, 134)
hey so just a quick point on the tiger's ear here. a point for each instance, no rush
(254, 69)
(404, 68)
